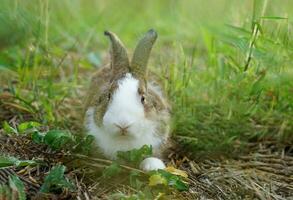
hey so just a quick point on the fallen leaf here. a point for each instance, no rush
(175, 171)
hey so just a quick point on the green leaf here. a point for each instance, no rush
(27, 125)
(38, 137)
(112, 170)
(56, 180)
(135, 156)
(8, 129)
(57, 138)
(134, 180)
(6, 161)
(172, 180)
(23, 163)
(17, 185)
(85, 144)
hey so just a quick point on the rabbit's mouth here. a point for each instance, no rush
(123, 133)
(126, 134)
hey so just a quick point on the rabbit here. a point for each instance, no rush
(125, 107)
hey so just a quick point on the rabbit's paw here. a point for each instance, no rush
(151, 163)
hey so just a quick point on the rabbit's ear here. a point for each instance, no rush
(119, 58)
(141, 54)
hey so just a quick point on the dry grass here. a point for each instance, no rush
(264, 173)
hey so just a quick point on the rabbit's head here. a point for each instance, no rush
(129, 107)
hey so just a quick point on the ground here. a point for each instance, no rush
(264, 173)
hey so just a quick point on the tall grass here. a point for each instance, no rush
(226, 65)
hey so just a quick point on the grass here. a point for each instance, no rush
(228, 80)
(226, 65)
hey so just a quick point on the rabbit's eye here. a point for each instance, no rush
(142, 99)
(109, 96)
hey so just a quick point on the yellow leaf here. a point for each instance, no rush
(157, 179)
(177, 172)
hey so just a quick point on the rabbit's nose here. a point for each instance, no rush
(123, 127)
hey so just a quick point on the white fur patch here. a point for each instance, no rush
(152, 163)
(125, 109)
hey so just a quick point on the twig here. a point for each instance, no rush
(108, 162)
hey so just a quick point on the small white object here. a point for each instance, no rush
(152, 163)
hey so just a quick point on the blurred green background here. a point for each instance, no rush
(226, 64)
